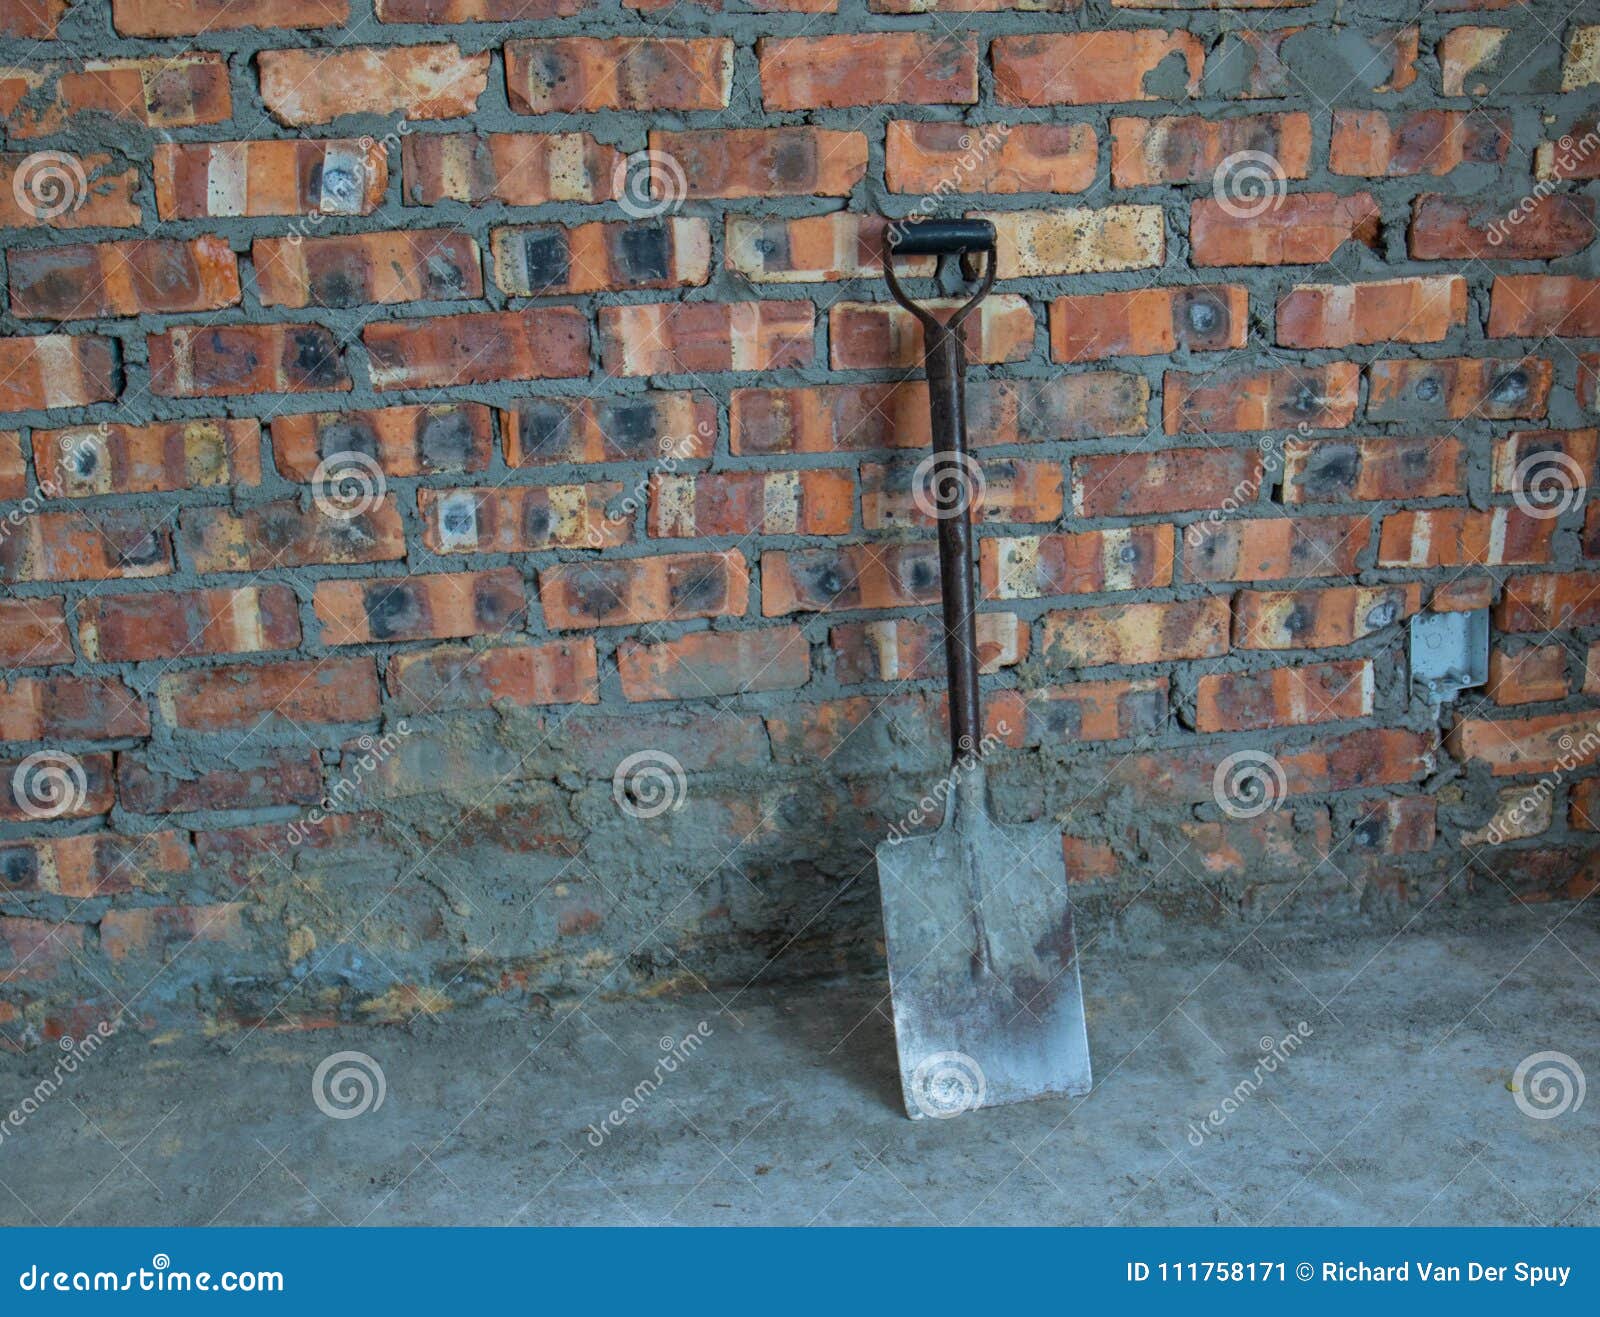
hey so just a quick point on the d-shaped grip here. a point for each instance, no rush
(940, 237)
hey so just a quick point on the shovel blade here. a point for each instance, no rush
(983, 966)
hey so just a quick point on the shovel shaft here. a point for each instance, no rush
(946, 361)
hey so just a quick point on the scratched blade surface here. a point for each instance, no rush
(988, 1008)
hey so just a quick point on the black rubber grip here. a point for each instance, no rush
(940, 237)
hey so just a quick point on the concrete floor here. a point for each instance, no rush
(1396, 1108)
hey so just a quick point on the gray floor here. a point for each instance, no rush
(1396, 1108)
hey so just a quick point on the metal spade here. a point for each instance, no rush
(983, 967)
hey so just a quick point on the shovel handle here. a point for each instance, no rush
(950, 477)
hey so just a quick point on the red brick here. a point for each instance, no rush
(837, 245)
(1584, 811)
(1463, 52)
(1322, 396)
(39, 948)
(877, 575)
(520, 169)
(1319, 619)
(33, 633)
(42, 190)
(80, 546)
(164, 91)
(267, 697)
(1551, 742)
(538, 343)
(1464, 537)
(422, 265)
(157, 930)
(1386, 467)
(1549, 603)
(996, 158)
(641, 427)
(1012, 489)
(1528, 676)
(1148, 322)
(670, 338)
(868, 68)
(55, 786)
(217, 180)
(912, 648)
(1372, 144)
(1390, 826)
(301, 87)
(572, 75)
(1284, 697)
(141, 277)
(1531, 228)
(189, 18)
(1463, 594)
(404, 441)
(760, 162)
(714, 663)
(1274, 548)
(1088, 68)
(95, 863)
(544, 260)
(200, 361)
(1073, 240)
(1536, 306)
(1174, 480)
(279, 777)
(1454, 388)
(1145, 152)
(751, 503)
(187, 623)
(1389, 311)
(628, 591)
(33, 18)
(477, 11)
(437, 607)
(112, 458)
(1086, 711)
(458, 677)
(1300, 228)
(57, 370)
(1089, 562)
(522, 518)
(1525, 460)
(65, 708)
(13, 469)
(1572, 155)
(269, 535)
(871, 335)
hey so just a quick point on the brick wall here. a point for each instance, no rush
(462, 533)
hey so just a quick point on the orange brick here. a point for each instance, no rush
(1464, 537)
(639, 427)
(534, 344)
(438, 607)
(544, 260)
(432, 265)
(1274, 548)
(301, 87)
(912, 648)
(1372, 144)
(477, 11)
(628, 591)
(997, 158)
(877, 575)
(1136, 633)
(1148, 322)
(29, 798)
(715, 663)
(33, 633)
(522, 518)
(1525, 459)
(140, 459)
(218, 180)
(1175, 480)
(67, 708)
(96, 863)
(199, 361)
(1090, 562)
(868, 68)
(1453, 388)
(1335, 470)
(1528, 676)
(669, 338)
(1534, 228)
(189, 18)
(1301, 228)
(1284, 697)
(43, 189)
(1391, 311)
(1548, 603)
(1012, 489)
(186, 623)
(1318, 619)
(1088, 68)
(404, 441)
(751, 503)
(166, 91)
(868, 335)
(1146, 152)
(457, 677)
(520, 169)
(139, 277)
(57, 370)
(1536, 306)
(1546, 743)
(268, 535)
(1321, 396)
(583, 74)
(32, 18)
(270, 697)
(760, 162)
(1069, 240)
(838, 245)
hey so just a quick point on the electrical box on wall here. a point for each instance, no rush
(1449, 653)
